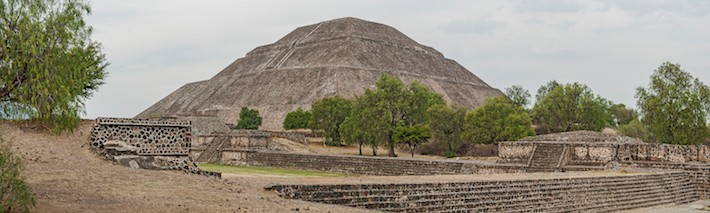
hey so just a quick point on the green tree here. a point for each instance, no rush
(402, 106)
(634, 129)
(623, 114)
(248, 119)
(328, 114)
(519, 95)
(298, 119)
(569, 107)
(498, 119)
(411, 135)
(446, 125)
(15, 195)
(675, 106)
(49, 63)
(364, 125)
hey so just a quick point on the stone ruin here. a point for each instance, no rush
(145, 143)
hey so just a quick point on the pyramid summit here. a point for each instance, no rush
(337, 57)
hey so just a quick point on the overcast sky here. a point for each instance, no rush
(155, 47)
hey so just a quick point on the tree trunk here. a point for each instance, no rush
(374, 151)
(413, 150)
(391, 154)
(360, 149)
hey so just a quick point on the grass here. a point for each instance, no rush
(252, 170)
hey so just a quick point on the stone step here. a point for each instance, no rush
(344, 197)
(541, 204)
(423, 188)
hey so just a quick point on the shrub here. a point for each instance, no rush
(15, 195)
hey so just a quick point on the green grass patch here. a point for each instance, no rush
(253, 170)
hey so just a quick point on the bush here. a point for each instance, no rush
(15, 195)
(248, 119)
(298, 119)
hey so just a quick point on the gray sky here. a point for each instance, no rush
(155, 47)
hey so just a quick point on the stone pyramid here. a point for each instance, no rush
(338, 57)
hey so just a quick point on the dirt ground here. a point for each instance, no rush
(66, 177)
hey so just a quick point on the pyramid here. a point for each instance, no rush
(337, 57)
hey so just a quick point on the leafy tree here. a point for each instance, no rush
(446, 125)
(298, 119)
(328, 114)
(402, 106)
(623, 114)
(675, 106)
(498, 119)
(519, 95)
(634, 129)
(569, 107)
(364, 125)
(15, 195)
(49, 63)
(248, 119)
(411, 135)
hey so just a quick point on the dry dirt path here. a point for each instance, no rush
(67, 177)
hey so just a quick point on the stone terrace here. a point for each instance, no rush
(548, 192)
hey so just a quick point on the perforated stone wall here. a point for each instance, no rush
(149, 137)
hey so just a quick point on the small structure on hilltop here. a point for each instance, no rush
(159, 144)
(338, 57)
(585, 150)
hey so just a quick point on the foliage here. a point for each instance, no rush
(15, 195)
(253, 170)
(561, 108)
(364, 125)
(248, 119)
(328, 114)
(298, 119)
(411, 135)
(402, 106)
(519, 95)
(623, 114)
(634, 129)
(675, 106)
(49, 63)
(498, 119)
(446, 125)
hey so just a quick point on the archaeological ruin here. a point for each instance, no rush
(338, 57)
(344, 57)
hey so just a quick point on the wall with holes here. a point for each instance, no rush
(148, 137)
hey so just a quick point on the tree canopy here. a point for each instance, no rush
(298, 119)
(498, 119)
(411, 135)
(328, 114)
(49, 63)
(569, 107)
(446, 125)
(248, 119)
(675, 106)
(519, 95)
(365, 124)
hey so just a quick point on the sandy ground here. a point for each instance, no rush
(67, 177)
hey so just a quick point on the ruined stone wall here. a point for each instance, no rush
(582, 194)
(213, 144)
(147, 137)
(600, 153)
(362, 164)
(160, 144)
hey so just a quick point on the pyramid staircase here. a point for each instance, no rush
(212, 153)
(546, 157)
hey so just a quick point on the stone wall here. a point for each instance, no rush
(208, 148)
(601, 153)
(362, 164)
(583, 194)
(161, 144)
